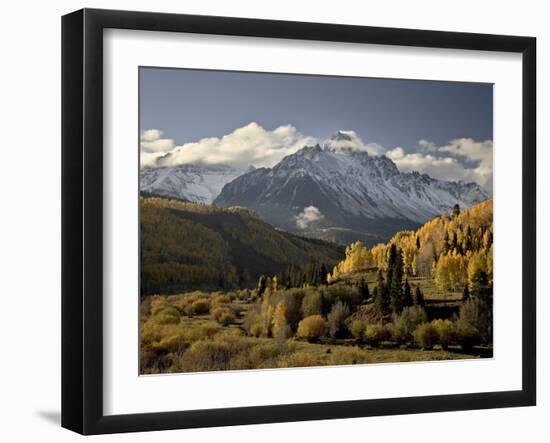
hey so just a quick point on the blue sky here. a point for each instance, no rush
(434, 127)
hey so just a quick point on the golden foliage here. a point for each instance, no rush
(441, 248)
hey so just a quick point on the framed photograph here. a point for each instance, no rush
(269, 221)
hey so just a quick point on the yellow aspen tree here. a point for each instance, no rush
(280, 327)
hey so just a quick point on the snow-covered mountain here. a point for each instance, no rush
(344, 194)
(197, 183)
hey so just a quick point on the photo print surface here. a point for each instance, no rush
(304, 220)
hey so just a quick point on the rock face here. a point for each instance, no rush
(344, 194)
(196, 183)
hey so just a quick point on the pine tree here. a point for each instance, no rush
(446, 245)
(396, 289)
(419, 297)
(454, 244)
(291, 279)
(468, 246)
(456, 211)
(288, 278)
(392, 258)
(407, 294)
(381, 297)
(482, 292)
(323, 274)
(261, 285)
(465, 293)
(417, 242)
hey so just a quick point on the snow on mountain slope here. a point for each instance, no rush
(197, 183)
(352, 193)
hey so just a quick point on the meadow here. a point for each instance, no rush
(200, 331)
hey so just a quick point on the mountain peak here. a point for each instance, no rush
(344, 142)
(341, 136)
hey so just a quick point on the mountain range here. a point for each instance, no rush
(332, 191)
(195, 183)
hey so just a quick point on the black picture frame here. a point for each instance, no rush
(82, 218)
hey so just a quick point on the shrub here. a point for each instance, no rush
(446, 331)
(467, 336)
(213, 355)
(243, 294)
(207, 330)
(404, 325)
(201, 306)
(348, 356)
(399, 331)
(376, 334)
(256, 329)
(226, 318)
(336, 317)
(150, 332)
(425, 335)
(223, 315)
(220, 299)
(312, 304)
(172, 341)
(264, 354)
(251, 319)
(167, 315)
(417, 315)
(188, 310)
(298, 359)
(312, 327)
(158, 303)
(357, 328)
(145, 307)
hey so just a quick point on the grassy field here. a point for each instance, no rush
(177, 339)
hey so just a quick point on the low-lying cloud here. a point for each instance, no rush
(308, 216)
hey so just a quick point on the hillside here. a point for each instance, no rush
(446, 248)
(189, 246)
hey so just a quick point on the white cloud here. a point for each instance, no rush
(149, 158)
(151, 135)
(443, 162)
(481, 152)
(246, 146)
(151, 141)
(309, 215)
